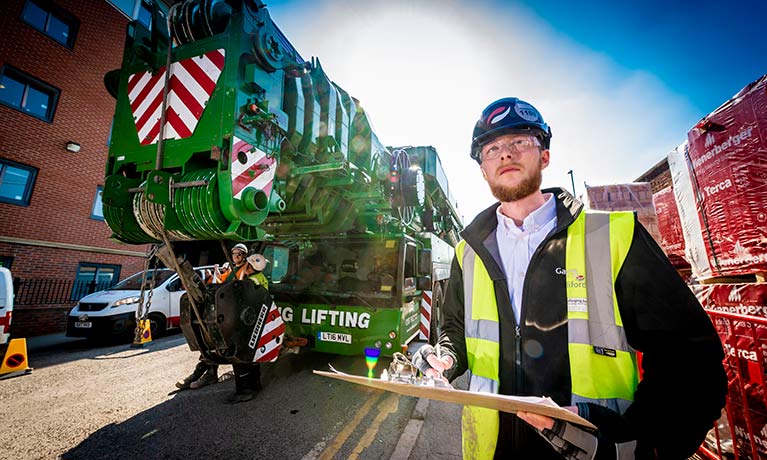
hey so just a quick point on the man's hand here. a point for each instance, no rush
(537, 421)
(541, 422)
(567, 439)
(428, 361)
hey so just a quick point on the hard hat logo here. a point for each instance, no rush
(526, 112)
(498, 115)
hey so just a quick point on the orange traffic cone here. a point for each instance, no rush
(15, 360)
(146, 334)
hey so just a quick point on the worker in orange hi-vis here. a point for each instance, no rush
(206, 371)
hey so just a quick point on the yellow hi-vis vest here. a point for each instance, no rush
(259, 279)
(594, 324)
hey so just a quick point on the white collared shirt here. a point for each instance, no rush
(516, 245)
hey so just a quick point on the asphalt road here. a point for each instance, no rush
(114, 402)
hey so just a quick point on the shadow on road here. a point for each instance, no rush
(95, 349)
(295, 411)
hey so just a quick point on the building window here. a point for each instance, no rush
(16, 182)
(135, 9)
(27, 94)
(6, 261)
(94, 277)
(97, 212)
(51, 20)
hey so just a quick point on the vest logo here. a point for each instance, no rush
(709, 140)
(573, 273)
(734, 295)
(574, 279)
(608, 352)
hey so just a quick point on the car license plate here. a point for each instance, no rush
(83, 324)
(334, 337)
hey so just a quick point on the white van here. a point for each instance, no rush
(6, 304)
(112, 313)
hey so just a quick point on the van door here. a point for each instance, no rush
(6, 304)
(174, 290)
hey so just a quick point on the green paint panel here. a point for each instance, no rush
(329, 328)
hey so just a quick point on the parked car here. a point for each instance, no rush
(112, 313)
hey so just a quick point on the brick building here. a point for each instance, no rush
(56, 117)
(659, 176)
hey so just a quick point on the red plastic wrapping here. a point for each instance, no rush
(728, 157)
(636, 196)
(670, 227)
(745, 345)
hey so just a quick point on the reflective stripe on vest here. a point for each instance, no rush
(595, 328)
(260, 279)
(479, 426)
(603, 365)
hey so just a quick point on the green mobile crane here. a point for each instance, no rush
(222, 131)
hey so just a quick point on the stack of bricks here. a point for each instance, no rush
(636, 196)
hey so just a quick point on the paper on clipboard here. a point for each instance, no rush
(504, 403)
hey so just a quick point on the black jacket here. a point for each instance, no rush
(683, 388)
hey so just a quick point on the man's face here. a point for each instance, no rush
(512, 165)
(238, 257)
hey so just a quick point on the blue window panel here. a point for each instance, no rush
(58, 30)
(97, 212)
(34, 16)
(38, 102)
(52, 21)
(126, 6)
(27, 94)
(11, 91)
(16, 182)
(145, 15)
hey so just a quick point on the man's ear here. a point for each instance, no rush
(484, 174)
(545, 158)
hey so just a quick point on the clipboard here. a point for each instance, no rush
(504, 403)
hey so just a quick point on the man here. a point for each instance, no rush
(247, 377)
(206, 372)
(531, 310)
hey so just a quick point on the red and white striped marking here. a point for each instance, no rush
(425, 315)
(268, 347)
(191, 84)
(5, 326)
(257, 171)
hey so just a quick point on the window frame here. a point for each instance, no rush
(28, 188)
(6, 261)
(94, 216)
(31, 81)
(76, 293)
(58, 13)
(136, 10)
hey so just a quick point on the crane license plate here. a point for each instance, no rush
(334, 337)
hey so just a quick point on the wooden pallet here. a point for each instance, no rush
(760, 277)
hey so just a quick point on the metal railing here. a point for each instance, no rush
(48, 291)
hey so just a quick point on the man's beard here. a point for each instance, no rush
(527, 187)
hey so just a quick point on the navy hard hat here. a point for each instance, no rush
(509, 115)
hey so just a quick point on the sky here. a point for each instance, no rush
(620, 83)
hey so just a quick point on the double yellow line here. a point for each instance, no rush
(385, 408)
